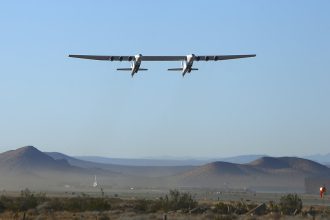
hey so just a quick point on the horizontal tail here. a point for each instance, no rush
(175, 69)
(180, 69)
(130, 69)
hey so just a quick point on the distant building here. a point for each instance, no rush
(313, 184)
(95, 182)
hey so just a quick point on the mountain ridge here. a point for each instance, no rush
(56, 170)
(264, 172)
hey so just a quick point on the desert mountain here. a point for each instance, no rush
(242, 159)
(270, 172)
(28, 158)
(294, 163)
(29, 167)
(147, 171)
(262, 166)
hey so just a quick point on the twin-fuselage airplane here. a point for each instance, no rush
(186, 61)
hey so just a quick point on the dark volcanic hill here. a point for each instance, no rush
(29, 167)
(218, 168)
(269, 163)
(306, 166)
(264, 165)
(264, 172)
(30, 158)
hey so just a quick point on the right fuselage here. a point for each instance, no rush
(187, 64)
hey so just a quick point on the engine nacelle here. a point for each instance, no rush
(120, 58)
(207, 58)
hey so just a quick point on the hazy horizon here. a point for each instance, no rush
(173, 157)
(275, 104)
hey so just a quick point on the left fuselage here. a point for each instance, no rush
(136, 63)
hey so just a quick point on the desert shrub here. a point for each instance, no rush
(223, 208)
(226, 217)
(290, 204)
(2, 207)
(78, 204)
(28, 200)
(6, 202)
(56, 204)
(177, 200)
(85, 204)
(99, 204)
(143, 205)
(309, 212)
(233, 208)
(272, 207)
(240, 208)
(157, 205)
(103, 217)
(75, 204)
(254, 209)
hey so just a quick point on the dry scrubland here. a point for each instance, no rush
(175, 205)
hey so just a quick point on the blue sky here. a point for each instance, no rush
(277, 103)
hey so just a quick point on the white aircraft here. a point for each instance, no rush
(186, 61)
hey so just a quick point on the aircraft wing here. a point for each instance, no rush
(221, 57)
(106, 58)
(197, 58)
(130, 58)
(162, 58)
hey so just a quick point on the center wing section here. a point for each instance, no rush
(163, 58)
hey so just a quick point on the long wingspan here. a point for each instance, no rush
(162, 58)
(186, 61)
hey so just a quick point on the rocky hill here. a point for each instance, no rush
(266, 172)
(30, 158)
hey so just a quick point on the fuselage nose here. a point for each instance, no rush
(138, 57)
(187, 64)
(190, 58)
(136, 63)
